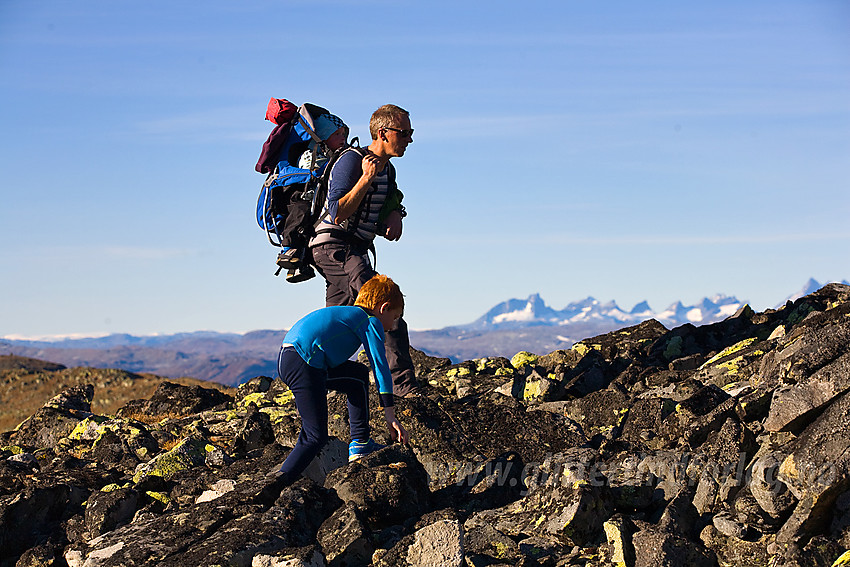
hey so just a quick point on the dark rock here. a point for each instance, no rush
(568, 501)
(345, 538)
(656, 547)
(600, 414)
(485, 545)
(817, 470)
(734, 551)
(256, 432)
(795, 405)
(56, 419)
(34, 514)
(769, 491)
(389, 486)
(106, 511)
(172, 400)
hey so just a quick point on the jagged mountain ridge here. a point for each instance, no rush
(517, 313)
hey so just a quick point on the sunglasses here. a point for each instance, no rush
(404, 133)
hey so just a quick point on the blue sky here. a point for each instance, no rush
(630, 151)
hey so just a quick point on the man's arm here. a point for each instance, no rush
(348, 203)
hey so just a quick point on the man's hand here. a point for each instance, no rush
(348, 203)
(397, 431)
(370, 167)
(394, 226)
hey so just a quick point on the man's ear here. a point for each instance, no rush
(384, 307)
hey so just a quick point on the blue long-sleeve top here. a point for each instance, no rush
(328, 337)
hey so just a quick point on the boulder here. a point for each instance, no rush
(817, 470)
(56, 419)
(170, 400)
(388, 486)
(345, 538)
(655, 547)
(795, 405)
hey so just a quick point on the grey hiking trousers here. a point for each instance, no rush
(346, 268)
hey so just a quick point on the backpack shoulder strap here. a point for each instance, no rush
(321, 195)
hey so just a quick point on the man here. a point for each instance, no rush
(363, 202)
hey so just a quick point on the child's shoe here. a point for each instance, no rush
(289, 258)
(300, 274)
(359, 449)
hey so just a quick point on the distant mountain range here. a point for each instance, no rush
(509, 327)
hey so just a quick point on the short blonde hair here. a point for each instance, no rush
(377, 291)
(388, 116)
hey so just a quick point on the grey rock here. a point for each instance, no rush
(439, 545)
(793, 405)
(658, 548)
(106, 511)
(345, 538)
(769, 491)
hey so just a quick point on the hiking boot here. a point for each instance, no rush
(300, 274)
(289, 258)
(359, 449)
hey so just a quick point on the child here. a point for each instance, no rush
(314, 358)
(334, 133)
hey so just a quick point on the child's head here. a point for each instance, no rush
(332, 130)
(377, 291)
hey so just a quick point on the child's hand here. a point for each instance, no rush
(397, 431)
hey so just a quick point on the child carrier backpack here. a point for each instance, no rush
(291, 198)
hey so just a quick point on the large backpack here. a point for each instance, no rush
(293, 134)
(289, 192)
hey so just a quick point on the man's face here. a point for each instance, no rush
(396, 141)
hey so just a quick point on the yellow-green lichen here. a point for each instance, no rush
(458, 372)
(276, 415)
(87, 429)
(532, 390)
(843, 560)
(257, 398)
(523, 358)
(729, 350)
(285, 398)
(582, 349)
(731, 366)
(621, 414)
(539, 521)
(501, 549)
(187, 454)
(614, 534)
(160, 497)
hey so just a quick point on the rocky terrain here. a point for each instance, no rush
(725, 444)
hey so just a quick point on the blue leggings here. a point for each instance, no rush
(310, 386)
